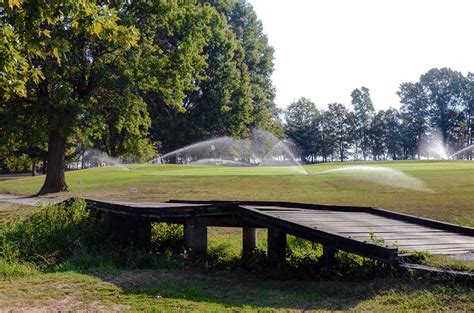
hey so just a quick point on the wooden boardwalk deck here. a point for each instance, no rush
(370, 232)
(366, 228)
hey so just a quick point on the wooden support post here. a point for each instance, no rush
(141, 232)
(188, 235)
(249, 241)
(276, 255)
(329, 254)
(195, 238)
(128, 230)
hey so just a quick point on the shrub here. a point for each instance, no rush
(14, 269)
(167, 237)
(49, 236)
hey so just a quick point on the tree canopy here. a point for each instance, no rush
(129, 77)
(440, 102)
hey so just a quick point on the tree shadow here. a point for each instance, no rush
(243, 290)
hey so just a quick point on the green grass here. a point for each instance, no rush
(176, 290)
(96, 282)
(452, 183)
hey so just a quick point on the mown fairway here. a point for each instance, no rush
(451, 182)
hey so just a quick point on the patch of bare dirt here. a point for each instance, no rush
(67, 303)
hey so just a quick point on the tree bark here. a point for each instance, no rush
(341, 151)
(55, 180)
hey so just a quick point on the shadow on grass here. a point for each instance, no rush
(241, 291)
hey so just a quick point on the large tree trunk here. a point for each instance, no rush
(55, 180)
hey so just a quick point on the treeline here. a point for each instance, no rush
(129, 78)
(441, 101)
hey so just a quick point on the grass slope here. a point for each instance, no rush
(452, 183)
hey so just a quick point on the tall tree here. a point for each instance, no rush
(377, 135)
(60, 54)
(414, 115)
(258, 57)
(327, 137)
(393, 133)
(234, 92)
(467, 115)
(437, 101)
(363, 113)
(444, 92)
(60, 46)
(342, 121)
(301, 125)
(219, 105)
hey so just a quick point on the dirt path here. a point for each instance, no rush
(28, 200)
(14, 176)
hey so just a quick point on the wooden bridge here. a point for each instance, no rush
(374, 233)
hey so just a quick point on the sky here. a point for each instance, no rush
(324, 49)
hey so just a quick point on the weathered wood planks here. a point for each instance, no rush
(370, 232)
(370, 228)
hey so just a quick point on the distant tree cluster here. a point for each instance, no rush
(442, 100)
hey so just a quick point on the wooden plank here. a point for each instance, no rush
(443, 251)
(424, 221)
(331, 219)
(334, 216)
(415, 236)
(354, 225)
(376, 211)
(433, 245)
(402, 245)
(276, 209)
(307, 206)
(436, 247)
(349, 223)
(316, 213)
(431, 240)
(338, 215)
(339, 242)
(358, 232)
(347, 219)
(169, 211)
(387, 229)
